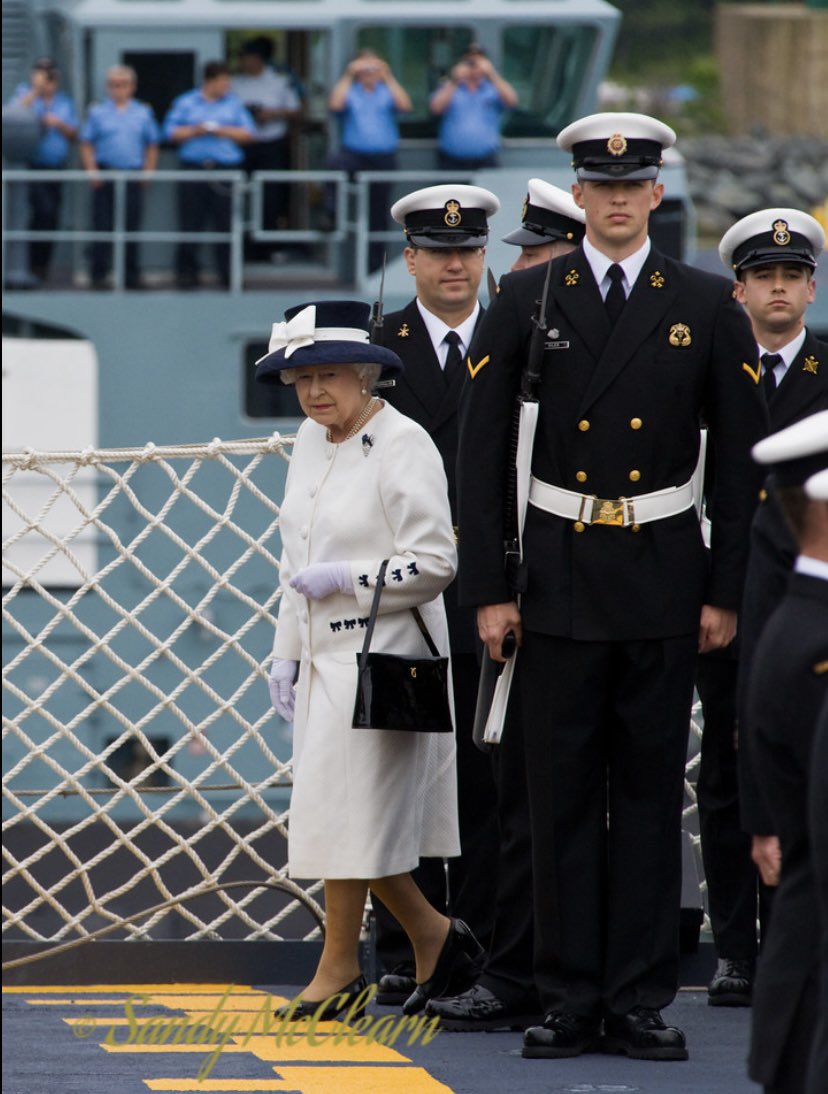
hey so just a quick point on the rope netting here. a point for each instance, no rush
(142, 759)
(143, 765)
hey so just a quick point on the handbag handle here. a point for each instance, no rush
(372, 618)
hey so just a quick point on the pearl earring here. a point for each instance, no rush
(364, 391)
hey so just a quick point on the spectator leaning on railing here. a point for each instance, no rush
(119, 134)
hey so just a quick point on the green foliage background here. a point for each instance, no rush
(667, 44)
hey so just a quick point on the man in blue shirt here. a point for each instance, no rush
(470, 105)
(59, 125)
(119, 134)
(367, 97)
(211, 126)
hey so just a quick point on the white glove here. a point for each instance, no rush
(320, 579)
(280, 686)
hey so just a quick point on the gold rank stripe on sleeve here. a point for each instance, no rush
(474, 369)
(820, 668)
(753, 373)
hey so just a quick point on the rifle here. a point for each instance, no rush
(528, 393)
(495, 676)
(376, 323)
(376, 311)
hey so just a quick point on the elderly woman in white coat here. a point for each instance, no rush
(365, 484)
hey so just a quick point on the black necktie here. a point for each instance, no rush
(454, 359)
(616, 297)
(769, 363)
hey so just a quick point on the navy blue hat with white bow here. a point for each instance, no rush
(329, 332)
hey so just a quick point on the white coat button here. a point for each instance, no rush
(303, 532)
(304, 617)
(312, 491)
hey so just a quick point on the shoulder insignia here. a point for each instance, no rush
(657, 279)
(679, 335)
(753, 373)
(403, 332)
(811, 365)
(572, 278)
(474, 369)
(821, 667)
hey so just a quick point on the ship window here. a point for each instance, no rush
(265, 400)
(130, 758)
(420, 58)
(162, 75)
(547, 66)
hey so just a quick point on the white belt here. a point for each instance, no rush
(622, 512)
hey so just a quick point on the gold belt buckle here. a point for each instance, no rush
(611, 511)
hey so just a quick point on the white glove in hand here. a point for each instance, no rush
(320, 579)
(280, 686)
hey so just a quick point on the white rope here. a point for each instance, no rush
(185, 542)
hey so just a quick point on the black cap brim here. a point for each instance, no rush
(447, 241)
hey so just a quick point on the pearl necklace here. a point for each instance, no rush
(358, 424)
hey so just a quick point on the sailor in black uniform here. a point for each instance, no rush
(773, 254)
(446, 229)
(786, 691)
(505, 997)
(618, 594)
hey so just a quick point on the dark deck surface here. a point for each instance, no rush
(54, 1040)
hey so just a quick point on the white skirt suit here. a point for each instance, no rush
(366, 803)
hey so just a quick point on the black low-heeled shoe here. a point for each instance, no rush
(455, 969)
(337, 1002)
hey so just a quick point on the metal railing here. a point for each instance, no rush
(345, 241)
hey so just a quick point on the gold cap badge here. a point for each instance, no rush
(781, 235)
(452, 217)
(617, 145)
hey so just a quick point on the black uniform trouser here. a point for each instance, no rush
(508, 970)
(466, 887)
(269, 156)
(45, 201)
(606, 727)
(732, 879)
(103, 220)
(379, 193)
(203, 205)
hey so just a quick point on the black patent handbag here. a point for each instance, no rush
(396, 692)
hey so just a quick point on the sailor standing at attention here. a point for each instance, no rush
(619, 597)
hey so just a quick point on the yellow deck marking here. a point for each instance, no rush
(112, 989)
(205, 1003)
(323, 1080)
(265, 1048)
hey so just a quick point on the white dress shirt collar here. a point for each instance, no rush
(631, 265)
(787, 353)
(438, 329)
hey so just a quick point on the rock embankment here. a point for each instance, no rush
(730, 177)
